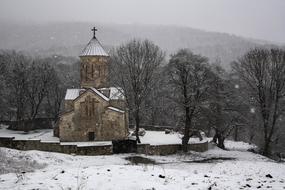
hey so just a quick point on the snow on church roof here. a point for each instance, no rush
(116, 109)
(94, 48)
(71, 94)
(100, 94)
(116, 93)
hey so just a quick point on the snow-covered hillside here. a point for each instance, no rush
(214, 169)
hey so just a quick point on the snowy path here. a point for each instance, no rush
(246, 171)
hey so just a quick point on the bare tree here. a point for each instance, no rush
(134, 65)
(16, 81)
(33, 87)
(41, 76)
(188, 75)
(3, 91)
(224, 108)
(55, 95)
(263, 72)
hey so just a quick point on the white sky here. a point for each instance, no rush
(263, 19)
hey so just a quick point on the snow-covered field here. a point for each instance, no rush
(218, 169)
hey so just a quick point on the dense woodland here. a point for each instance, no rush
(187, 92)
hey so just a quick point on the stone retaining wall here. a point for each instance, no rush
(153, 127)
(148, 149)
(9, 142)
(169, 148)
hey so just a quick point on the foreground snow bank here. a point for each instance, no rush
(17, 162)
(241, 170)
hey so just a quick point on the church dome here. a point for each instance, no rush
(93, 48)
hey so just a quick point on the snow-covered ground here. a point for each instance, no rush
(41, 134)
(159, 138)
(46, 135)
(218, 169)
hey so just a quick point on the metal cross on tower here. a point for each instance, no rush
(94, 31)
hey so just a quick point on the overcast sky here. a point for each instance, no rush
(262, 19)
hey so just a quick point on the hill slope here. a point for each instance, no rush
(69, 38)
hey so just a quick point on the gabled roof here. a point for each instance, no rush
(71, 94)
(93, 48)
(116, 93)
(99, 93)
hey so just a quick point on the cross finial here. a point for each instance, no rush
(94, 31)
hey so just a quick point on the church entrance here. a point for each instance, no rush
(91, 136)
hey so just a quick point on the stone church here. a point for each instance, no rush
(96, 111)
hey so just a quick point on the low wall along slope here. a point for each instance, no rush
(10, 142)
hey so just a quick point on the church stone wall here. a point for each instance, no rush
(121, 104)
(68, 105)
(94, 71)
(66, 126)
(90, 114)
(114, 125)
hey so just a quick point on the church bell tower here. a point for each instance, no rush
(94, 67)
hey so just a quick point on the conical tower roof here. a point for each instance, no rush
(94, 47)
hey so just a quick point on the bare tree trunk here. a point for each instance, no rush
(219, 139)
(269, 134)
(186, 135)
(236, 134)
(266, 148)
(251, 137)
(137, 119)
